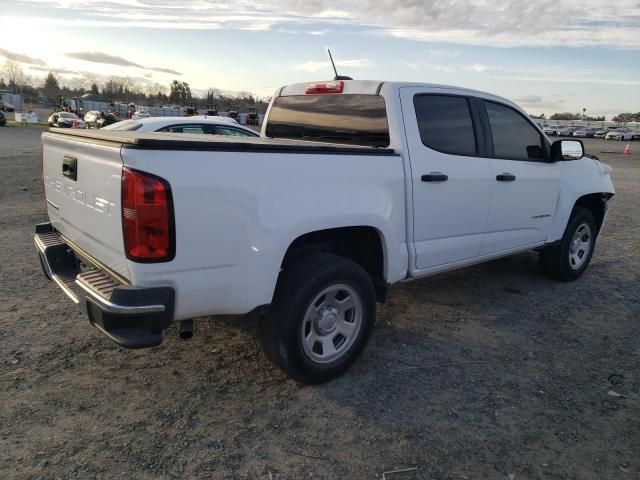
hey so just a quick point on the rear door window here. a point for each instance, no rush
(445, 124)
(191, 128)
(352, 119)
(234, 132)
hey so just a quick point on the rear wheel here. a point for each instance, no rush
(569, 259)
(321, 318)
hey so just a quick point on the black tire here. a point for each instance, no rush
(299, 284)
(557, 261)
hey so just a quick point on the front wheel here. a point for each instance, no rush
(321, 318)
(569, 259)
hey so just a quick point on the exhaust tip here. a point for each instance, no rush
(186, 334)
(186, 329)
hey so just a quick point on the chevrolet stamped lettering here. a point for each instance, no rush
(94, 202)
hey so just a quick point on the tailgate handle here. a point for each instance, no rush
(70, 167)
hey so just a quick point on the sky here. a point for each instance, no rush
(548, 56)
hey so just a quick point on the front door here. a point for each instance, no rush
(525, 186)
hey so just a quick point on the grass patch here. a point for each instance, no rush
(11, 123)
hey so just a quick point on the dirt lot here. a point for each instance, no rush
(489, 372)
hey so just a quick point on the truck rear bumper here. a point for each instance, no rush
(130, 316)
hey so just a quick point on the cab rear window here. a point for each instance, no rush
(332, 118)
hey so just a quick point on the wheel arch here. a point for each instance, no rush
(580, 188)
(596, 203)
(363, 244)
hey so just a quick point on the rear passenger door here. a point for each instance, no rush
(451, 181)
(525, 184)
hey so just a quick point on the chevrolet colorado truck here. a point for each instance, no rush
(352, 187)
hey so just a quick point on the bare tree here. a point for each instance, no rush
(73, 83)
(155, 88)
(14, 73)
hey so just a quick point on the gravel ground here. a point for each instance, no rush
(488, 372)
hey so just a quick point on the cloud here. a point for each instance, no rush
(164, 70)
(441, 68)
(105, 58)
(530, 99)
(434, 67)
(477, 67)
(56, 70)
(413, 66)
(536, 102)
(316, 66)
(569, 79)
(497, 23)
(20, 57)
(99, 57)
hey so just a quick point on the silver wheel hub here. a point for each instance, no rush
(332, 323)
(326, 320)
(580, 246)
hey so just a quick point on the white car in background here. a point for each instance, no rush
(140, 114)
(600, 133)
(619, 134)
(585, 132)
(201, 125)
(566, 131)
(550, 130)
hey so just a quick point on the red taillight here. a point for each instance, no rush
(147, 217)
(324, 87)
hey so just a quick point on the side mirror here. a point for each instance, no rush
(567, 150)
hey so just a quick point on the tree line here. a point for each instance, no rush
(122, 89)
(125, 89)
(570, 116)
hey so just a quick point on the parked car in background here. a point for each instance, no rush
(600, 133)
(552, 130)
(636, 135)
(212, 110)
(619, 134)
(95, 119)
(65, 120)
(140, 114)
(252, 117)
(234, 113)
(567, 131)
(6, 107)
(199, 125)
(3, 120)
(585, 132)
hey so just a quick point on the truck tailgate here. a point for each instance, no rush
(83, 192)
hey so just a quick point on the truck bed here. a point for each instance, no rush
(181, 141)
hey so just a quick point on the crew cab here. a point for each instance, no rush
(354, 186)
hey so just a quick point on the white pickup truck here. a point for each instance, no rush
(354, 186)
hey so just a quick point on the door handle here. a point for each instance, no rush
(435, 177)
(505, 177)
